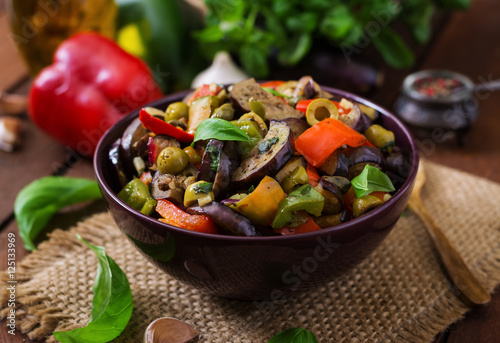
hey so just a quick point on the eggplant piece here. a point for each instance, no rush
(133, 144)
(267, 157)
(116, 162)
(226, 219)
(341, 182)
(210, 161)
(229, 161)
(336, 164)
(333, 197)
(367, 154)
(298, 126)
(160, 189)
(219, 162)
(276, 109)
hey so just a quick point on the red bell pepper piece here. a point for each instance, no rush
(204, 90)
(159, 127)
(272, 84)
(322, 139)
(309, 226)
(90, 85)
(313, 175)
(175, 216)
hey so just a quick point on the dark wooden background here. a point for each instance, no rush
(467, 42)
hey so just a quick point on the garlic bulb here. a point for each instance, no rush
(223, 70)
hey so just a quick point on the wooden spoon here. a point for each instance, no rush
(471, 290)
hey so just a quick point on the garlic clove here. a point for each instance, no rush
(170, 330)
(10, 133)
(223, 70)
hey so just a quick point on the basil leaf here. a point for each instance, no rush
(294, 335)
(223, 130)
(371, 180)
(40, 200)
(264, 146)
(205, 187)
(111, 306)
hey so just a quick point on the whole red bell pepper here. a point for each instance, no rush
(90, 85)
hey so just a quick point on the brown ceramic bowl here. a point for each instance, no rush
(254, 268)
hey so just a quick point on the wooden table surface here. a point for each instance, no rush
(466, 42)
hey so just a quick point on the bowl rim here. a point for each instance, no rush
(99, 156)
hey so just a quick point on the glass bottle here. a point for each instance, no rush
(39, 26)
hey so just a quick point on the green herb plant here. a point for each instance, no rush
(371, 180)
(256, 30)
(40, 200)
(111, 305)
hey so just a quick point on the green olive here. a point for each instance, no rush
(380, 137)
(172, 160)
(200, 192)
(364, 204)
(257, 120)
(194, 156)
(176, 110)
(297, 177)
(225, 111)
(320, 109)
(257, 107)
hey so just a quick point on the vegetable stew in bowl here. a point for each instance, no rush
(250, 159)
(257, 190)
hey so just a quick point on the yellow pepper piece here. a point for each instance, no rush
(260, 206)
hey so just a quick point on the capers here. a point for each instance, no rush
(320, 109)
(380, 137)
(176, 110)
(172, 160)
(364, 204)
(194, 156)
(225, 111)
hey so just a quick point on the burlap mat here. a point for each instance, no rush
(399, 294)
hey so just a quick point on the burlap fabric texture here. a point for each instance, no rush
(398, 294)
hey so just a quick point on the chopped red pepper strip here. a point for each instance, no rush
(175, 216)
(206, 89)
(309, 226)
(272, 84)
(146, 178)
(322, 139)
(159, 127)
(313, 175)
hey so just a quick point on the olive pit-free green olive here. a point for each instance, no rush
(176, 110)
(194, 156)
(364, 204)
(295, 179)
(257, 107)
(172, 160)
(225, 111)
(320, 109)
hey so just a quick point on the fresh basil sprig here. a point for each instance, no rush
(371, 180)
(40, 200)
(111, 306)
(223, 130)
(294, 335)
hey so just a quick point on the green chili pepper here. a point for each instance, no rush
(136, 194)
(304, 198)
